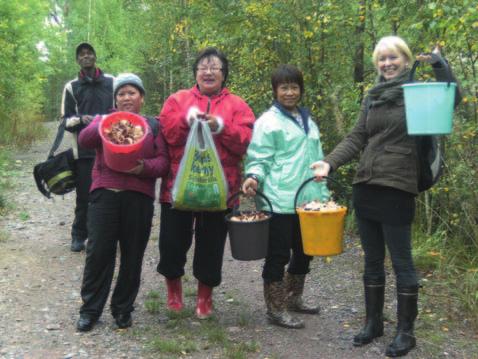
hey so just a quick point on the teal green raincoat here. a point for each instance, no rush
(279, 156)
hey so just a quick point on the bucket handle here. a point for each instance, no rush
(310, 180)
(411, 77)
(262, 195)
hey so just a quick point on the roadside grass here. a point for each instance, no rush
(452, 267)
(441, 318)
(182, 334)
(22, 130)
(5, 178)
(449, 297)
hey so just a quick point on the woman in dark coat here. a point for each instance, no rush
(384, 189)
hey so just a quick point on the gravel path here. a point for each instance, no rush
(39, 298)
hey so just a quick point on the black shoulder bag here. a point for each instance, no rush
(56, 175)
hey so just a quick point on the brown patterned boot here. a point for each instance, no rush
(275, 296)
(295, 289)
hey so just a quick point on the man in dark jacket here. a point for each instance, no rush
(90, 94)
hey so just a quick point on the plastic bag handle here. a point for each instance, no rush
(262, 195)
(310, 180)
(411, 77)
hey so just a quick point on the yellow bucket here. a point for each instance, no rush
(322, 231)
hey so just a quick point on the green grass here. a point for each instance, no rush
(24, 216)
(173, 346)
(241, 350)
(183, 334)
(5, 178)
(451, 267)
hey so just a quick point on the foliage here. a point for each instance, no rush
(21, 72)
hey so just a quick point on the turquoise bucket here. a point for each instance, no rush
(429, 106)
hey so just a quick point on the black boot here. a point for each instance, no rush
(86, 323)
(77, 244)
(374, 297)
(123, 320)
(407, 310)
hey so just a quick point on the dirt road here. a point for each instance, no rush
(39, 300)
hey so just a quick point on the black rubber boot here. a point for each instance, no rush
(407, 310)
(373, 328)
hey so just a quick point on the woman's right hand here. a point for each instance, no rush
(321, 169)
(249, 187)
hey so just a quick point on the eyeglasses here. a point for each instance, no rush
(213, 70)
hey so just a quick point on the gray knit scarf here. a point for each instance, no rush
(389, 91)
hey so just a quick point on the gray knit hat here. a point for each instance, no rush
(127, 79)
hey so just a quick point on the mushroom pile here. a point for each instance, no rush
(321, 206)
(253, 216)
(124, 132)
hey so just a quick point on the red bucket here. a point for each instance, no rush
(122, 158)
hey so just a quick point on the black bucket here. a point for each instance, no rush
(248, 240)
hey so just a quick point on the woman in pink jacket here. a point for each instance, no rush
(120, 210)
(230, 120)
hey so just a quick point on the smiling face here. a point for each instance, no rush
(86, 59)
(390, 63)
(209, 75)
(129, 98)
(288, 95)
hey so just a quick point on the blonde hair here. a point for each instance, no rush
(394, 43)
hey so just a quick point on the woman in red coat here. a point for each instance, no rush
(230, 120)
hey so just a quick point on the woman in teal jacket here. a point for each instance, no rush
(284, 141)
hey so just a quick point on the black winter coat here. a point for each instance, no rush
(85, 96)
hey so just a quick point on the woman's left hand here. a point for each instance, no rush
(249, 187)
(212, 122)
(429, 57)
(137, 169)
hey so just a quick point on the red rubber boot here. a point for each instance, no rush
(204, 301)
(175, 294)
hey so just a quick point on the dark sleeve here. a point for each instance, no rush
(351, 146)
(444, 73)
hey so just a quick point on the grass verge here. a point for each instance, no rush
(182, 334)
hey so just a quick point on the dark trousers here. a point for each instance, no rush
(284, 238)
(175, 239)
(113, 217)
(374, 236)
(83, 167)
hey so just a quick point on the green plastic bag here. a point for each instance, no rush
(200, 184)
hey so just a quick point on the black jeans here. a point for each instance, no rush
(284, 237)
(83, 168)
(374, 236)
(175, 239)
(113, 217)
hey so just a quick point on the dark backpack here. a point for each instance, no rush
(56, 175)
(429, 158)
(154, 125)
(430, 161)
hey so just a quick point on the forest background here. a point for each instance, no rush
(331, 41)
